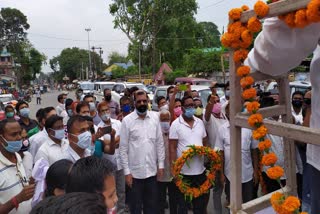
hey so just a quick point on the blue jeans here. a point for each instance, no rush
(144, 193)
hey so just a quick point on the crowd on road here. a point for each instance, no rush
(108, 157)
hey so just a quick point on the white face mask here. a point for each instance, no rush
(165, 107)
(92, 106)
(105, 117)
(59, 134)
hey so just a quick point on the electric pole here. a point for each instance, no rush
(100, 53)
(90, 68)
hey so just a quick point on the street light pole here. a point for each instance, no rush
(90, 69)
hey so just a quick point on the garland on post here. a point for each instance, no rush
(239, 37)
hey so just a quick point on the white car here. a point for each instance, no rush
(7, 99)
(119, 87)
(87, 87)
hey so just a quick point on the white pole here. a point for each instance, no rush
(90, 69)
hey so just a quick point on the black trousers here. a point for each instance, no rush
(314, 190)
(163, 187)
(272, 185)
(144, 195)
(247, 191)
(199, 204)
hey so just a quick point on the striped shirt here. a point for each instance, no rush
(12, 179)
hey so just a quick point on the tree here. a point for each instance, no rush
(13, 24)
(72, 62)
(171, 76)
(209, 35)
(116, 57)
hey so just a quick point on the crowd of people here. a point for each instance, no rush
(84, 156)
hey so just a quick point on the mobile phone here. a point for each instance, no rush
(106, 130)
(183, 87)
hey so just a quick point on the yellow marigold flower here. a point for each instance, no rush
(259, 132)
(261, 9)
(235, 13)
(291, 204)
(240, 55)
(252, 107)
(246, 81)
(254, 25)
(269, 159)
(313, 11)
(255, 120)
(301, 18)
(245, 7)
(247, 37)
(275, 172)
(263, 145)
(249, 93)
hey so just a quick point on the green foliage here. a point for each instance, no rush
(71, 61)
(116, 57)
(118, 72)
(171, 76)
(197, 60)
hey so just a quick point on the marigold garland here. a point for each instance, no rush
(215, 165)
(239, 37)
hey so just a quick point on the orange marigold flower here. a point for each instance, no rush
(252, 107)
(243, 70)
(255, 120)
(245, 7)
(236, 28)
(259, 132)
(301, 18)
(235, 13)
(246, 81)
(275, 172)
(261, 9)
(276, 201)
(291, 204)
(303, 213)
(247, 37)
(249, 94)
(254, 25)
(269, 159)
(240, 55)
(313, 8)
(289, 19)
(263, 145)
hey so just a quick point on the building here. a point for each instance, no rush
(7, 75)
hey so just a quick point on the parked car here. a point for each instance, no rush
(302, 86)
(192, 81)
(152, 88)
(99, 88)
(8, 99)
(118, 90)
(87, 87)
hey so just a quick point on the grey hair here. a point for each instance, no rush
(165, 111)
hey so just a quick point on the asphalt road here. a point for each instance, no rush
(50, 99)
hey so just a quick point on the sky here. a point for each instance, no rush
(59, 24)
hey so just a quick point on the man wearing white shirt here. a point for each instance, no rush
(55, 147)
(142, 155)
(79, 138)
(278, 49)
(61, 104)
(38, 139)
(15, 191)
(250, 175)
(185, 131)
(105, 112)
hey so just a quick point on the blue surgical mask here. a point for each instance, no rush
(59, 134)
(165, 126)
(84, 140)
(189, 112)
(12, 146)
(70, 112)
(10, 114)
(126, 108)
(105, 117)
(24, 112)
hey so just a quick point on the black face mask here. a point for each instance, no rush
(297, 103)
(107, 98)
(142, 109)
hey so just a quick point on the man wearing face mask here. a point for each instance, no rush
(79, 138)
(83, 109)
(93, 109)
(16, 191)
(79, 95)
(142, 155)
(25, 122)
(226, 96)
(185, 131)
(297, 102)
(67, 112)
(114, 106)
(61, 104)
(112, 139)
(55, 147)
(162, 103)
(125, 105)
(198, 107)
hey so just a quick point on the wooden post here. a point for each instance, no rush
(235, 139)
